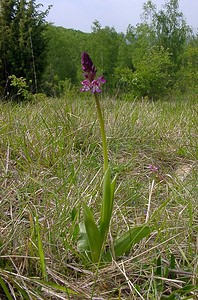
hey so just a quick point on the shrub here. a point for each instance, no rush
(151, 76)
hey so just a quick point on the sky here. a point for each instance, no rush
(80, 14)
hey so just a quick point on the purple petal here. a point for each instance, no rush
(101, 79)
(85, 89)
(86, 85)
(152, 168)
(95, 86)
(86, 82)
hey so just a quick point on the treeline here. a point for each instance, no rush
(22, 47)
(158, 55)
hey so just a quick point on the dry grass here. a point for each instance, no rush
(51, 160)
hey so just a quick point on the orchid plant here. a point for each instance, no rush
(93, 236)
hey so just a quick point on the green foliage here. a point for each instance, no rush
(140, 39)
(48, 56)
(22, 43)
(151, 76)
(93, 235)
(22, 88)
(183, 292)
(157, 46)
(62, 53)
(164, 271)
(130, 238)
(93, 238)
(152, 53)
(187, 76)
(103, 46)
(127, 240)
(170, 28)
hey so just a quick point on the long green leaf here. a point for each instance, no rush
(130, 238)
(93, 234)
(107, 204)
(127, 240)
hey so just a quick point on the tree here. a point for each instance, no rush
(188, 74)
(63, 58)
(170, 28)
(157, 47)
(22, 43)
(103, 47)
(150, 77)
(7, 14)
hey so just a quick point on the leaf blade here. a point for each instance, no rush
(125, 242)
(129, 238)
(93, 234)
(107, 204)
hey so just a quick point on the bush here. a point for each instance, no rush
(151, 76)
(21, 88)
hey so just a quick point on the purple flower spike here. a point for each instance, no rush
(88, 67)
(89, 72)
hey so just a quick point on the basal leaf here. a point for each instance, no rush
(93, 234)
(127, 240)
(130, 238)
(107, 204)
(83, 245)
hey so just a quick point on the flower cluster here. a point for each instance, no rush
(89, 72)
(153, 168)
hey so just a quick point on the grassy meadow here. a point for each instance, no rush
(51, 161)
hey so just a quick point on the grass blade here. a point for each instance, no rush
(40, 249)
(57, 287)
(183, 292)
(5, 289)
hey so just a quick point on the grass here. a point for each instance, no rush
(51, 161)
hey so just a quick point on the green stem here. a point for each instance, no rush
(103, 134)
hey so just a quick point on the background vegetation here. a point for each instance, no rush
(157, 56)
(51, 155)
